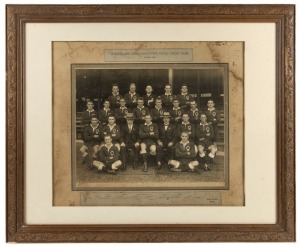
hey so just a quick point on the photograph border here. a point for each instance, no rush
(283, 16)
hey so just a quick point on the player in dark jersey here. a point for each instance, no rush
(113, 130)
(140, 112)
(168, 97)
(114, 99)
(185, 125)
(88, 114)
(213, 117)
(157, 112)
(176, 112)
(105, 112)
(121, 113)
(148, 133)
(184, 98)
(108, 157)
(185, 153)
(92, 138)
(205, 136)
(131, 97)
(194, 113)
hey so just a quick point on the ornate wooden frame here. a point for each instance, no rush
(284, 18)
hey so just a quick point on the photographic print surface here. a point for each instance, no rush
(148, 123)
(204, 84)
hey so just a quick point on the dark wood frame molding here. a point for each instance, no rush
(284, 18)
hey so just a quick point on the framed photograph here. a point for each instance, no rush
(134, 123)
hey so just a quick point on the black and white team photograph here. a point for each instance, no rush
(150, 126)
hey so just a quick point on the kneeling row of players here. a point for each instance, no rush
(148, 139)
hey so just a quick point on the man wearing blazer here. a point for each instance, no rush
(130, 141)
(167, 136)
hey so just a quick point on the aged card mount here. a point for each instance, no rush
(283, 16)
(176, 63)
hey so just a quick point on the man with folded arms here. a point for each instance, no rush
(108, 157)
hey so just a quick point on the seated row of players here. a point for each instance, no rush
(152, 138)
